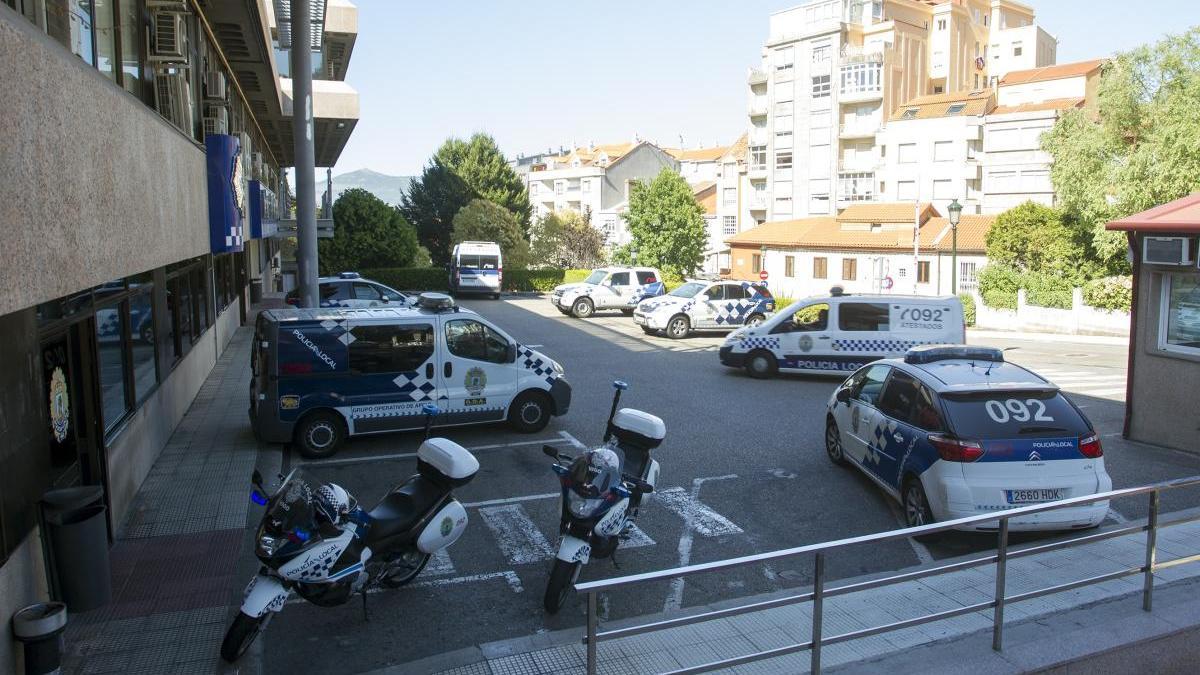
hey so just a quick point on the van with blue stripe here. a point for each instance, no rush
(477, 267)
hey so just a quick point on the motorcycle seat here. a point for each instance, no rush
(403, 508)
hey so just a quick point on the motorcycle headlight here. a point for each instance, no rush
(268, 545)
(579, 507)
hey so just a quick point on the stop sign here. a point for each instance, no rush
(762, 275)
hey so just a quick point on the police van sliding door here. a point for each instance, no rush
(478, 379)
(393, 375)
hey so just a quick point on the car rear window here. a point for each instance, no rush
(475, 261)
(646, 277)
(1013, 414)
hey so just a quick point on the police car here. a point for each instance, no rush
(349, 289)
(703, 305)
(321, 375)
(606, 288)
(955, 431)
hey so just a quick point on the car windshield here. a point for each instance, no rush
(1013, 414)
(688, 290)
(595, 277)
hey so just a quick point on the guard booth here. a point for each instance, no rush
(1164, 335)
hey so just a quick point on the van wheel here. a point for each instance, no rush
(319, 434)
(627, 312)
(530, 412)
(583, 308)
(495, 296)
(761, 364)
(678, 327)
(833, 442)
(755, 320)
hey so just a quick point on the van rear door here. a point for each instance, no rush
(936, 321)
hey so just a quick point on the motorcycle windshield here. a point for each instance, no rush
(594, 475)
(291, 511)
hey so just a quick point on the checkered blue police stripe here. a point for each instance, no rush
(875, 346)
(528, 358)
(760, 343)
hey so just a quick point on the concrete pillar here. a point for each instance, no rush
(302, 133)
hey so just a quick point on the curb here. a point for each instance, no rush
(1048, 337)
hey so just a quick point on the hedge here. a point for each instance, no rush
(1110, 293)
(436, 278)
(968, 304)
(998, 285)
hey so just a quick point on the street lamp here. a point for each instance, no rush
(762, 257)
(955, 211)
(633, 254)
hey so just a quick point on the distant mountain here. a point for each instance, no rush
(388, 188)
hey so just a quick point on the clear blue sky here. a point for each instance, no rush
(541, 73)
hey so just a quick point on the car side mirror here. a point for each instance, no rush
(510, 353)
(384, 299)
(843, 395)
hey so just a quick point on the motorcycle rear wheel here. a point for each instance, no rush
(562, 577)
(407, 565)
(242, 633)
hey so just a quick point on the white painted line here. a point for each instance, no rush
(572, 440)
(511, 500)
(440, 564)
(409, 455)
(1115, 516)
(696, 515)
(518, 537)
(635, 537)
(689, 507)
(508, 575)
(534, 346)
(920, 550)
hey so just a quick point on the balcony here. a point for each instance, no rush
(756, 76)
(758, 109)
(758, 202)
(857, 164)
(757, 171)
(859, 129)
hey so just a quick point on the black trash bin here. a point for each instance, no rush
(256, 291)
(40, 627)
(78, 538)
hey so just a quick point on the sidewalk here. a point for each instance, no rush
(979, 334)
(174, 563)
(687, 646)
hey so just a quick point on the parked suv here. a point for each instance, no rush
(606, 288)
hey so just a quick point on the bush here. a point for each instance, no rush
(533, 280)
(968, 303)
(1110, 293)
(410, 278)
(1047, 290)
(998, 285)
(575, 276)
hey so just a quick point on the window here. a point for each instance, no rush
(967, 281)
(366, 292)
(756, 263)
(789, 266)
(849, 269)
(923, 272)
(619, 279)
(1179, 329)
(478, 261)
(106, 37)
(862, 78)
(906, 190)
(783, 205)
(907, 153)
(783, 159)
(925, 413)
(869, 384)
(729, 225)
(736, 292)
(585, 186)
(730, 198)
(941, 24)
(141, 339)
(910, 114)
(390, 349)
(559, 187)
(111, 336)
(716, 292)
(821, 268)
(1018, 49)
(899, 396)
(758, 157)
(810, 318)
(820, 54)
(645, 277)
(783, 139)
(471, 339)
(943, 151)
(784, 109)
(943, 189)
(821, 86)
(863, 316)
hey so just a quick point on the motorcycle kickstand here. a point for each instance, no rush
(613, 558)
(366, 615)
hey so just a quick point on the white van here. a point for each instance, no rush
(839, 333)
(477, 267)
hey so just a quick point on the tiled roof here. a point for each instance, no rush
(884, 212)
(1057, 72)
(706, 195)
(1052, 104)
(698, 155)
(778, 233)
(937, 105)
(824, 232)
(737, 151)
(1181, 215)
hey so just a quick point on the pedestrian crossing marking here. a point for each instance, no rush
(635, 537)
(517, 535)
(704, 521)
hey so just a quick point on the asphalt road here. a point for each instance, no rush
(743, 459)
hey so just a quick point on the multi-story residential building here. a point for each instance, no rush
(700, 165)
(834, 70)
(733, 207)
(143, 158)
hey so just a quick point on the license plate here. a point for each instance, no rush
(638, 318)
(1033, 496)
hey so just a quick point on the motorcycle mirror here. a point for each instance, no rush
(430, 409)
(620, 385)
(258, 498)
(256, 478)
(550, 451)
(843, 395)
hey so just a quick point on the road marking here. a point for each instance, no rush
(689, 506)
(920, 550)
(510, 576)
(409, 455)
(572, 440)
(696, 515)
(534, 346)
(511, 500)
(518, 537)
(440, 564)
(635, 537)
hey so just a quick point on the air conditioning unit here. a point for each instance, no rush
(214, 87)
(1175, 251)
(169, 44)
(173, 99)
(216, 121)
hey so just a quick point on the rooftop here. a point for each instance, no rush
(827, 232)
(1181, 215)
(959, 103)
(1057, 72)
(1052, 104)
(700, 154)
(885, 212)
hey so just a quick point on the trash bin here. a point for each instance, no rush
(39, 627)
(256, 291)
(78, 537)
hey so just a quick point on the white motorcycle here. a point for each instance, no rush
(325, 559)
(602, 491)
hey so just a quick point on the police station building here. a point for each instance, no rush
(142, 149)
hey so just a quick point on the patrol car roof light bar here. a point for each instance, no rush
(933, 353)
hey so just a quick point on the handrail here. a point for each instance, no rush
(819, 592)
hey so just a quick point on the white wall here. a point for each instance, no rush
(1043, 90)
(947, 162)
(1015, 169)
(872, 268)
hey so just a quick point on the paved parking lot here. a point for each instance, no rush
(743, 461)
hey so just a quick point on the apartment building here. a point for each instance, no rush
(733, 207)
(145, 144)
(833, 71)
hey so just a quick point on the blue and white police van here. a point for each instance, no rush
(477, 267)
(322, 375)
(705, 305)
(839, 333)
(953, 431)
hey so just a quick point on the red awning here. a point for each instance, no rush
(1181, 215)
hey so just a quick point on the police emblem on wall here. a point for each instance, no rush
(60, 406)
(806, 343)
(475, 381)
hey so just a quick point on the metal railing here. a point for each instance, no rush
(819, 592)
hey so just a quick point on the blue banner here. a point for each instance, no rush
(226, 193)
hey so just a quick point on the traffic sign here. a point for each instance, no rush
(762, 275)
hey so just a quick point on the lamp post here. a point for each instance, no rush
(633, 254)
(955, 211)
(762, 257)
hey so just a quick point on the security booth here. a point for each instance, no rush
(1164, 336)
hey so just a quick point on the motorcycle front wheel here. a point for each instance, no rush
(242, 633)
(562, 577)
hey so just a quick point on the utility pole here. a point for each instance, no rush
(302, 133)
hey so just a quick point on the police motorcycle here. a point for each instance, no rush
(315, 540)
(602, 491)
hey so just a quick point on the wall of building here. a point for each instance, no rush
(131, 195)
(1163, 387)
(22, 583)
(1015, 169)
(939, 179)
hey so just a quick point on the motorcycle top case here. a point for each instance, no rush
(444, 528)
(634, 428)
(446, 463)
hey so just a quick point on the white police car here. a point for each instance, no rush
(350, 290)
(955, 431)
(703, 305)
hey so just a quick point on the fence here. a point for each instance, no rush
(1079, 320)
(819, 593)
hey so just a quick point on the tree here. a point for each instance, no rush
(481, 220)
(1137, 149)
(430, 205)
(366, 233)
(566, 241)
(667, 223)
(479, 162)
(1036, 238)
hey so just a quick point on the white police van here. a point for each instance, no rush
(952, 431)
(839, 333)
(705, 305)
(606, 288)
(477, 267)
(321, 375)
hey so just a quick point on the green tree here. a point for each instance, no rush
(479, 162)
(566, 241)
(430, 204)
(667, 223)
(1036, 238)
(1138, 148)
(366, 233)
(481, 220)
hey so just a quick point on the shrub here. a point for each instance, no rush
(968, 304)
(1110, 293)
(998, 285)
(410, 278)
(1047, 290)
(575, 276)
(532, 280)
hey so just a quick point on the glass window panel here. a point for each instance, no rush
(110, 350)
(106, 37)
(390, 349)
(473, 340)
(70, 23)
(131, 38)
(863, 316)
(141, 325)
(1183, 313)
